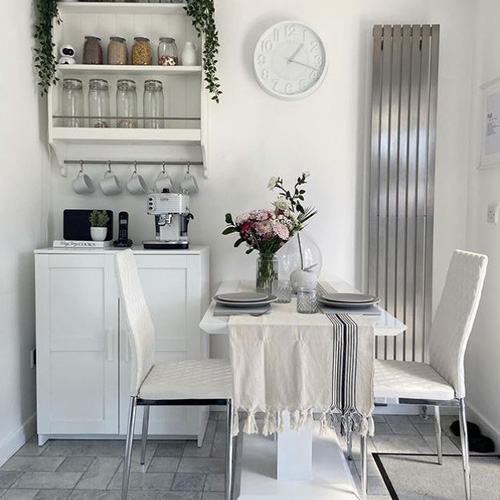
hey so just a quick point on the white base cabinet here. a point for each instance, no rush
(83, 356)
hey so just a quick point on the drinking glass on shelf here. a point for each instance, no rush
(154, 104)
(72, 103)
(283, 291)
(307, 301)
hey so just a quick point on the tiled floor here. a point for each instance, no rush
(178, 470)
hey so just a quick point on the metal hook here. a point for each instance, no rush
(109, 165)
(163, 168)
(81, 166)
(135, 166)
(188, 165)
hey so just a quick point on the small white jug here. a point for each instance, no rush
(188, 56)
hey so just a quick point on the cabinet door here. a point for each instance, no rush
(77, 344)
(172, 288)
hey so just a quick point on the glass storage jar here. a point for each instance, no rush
(92, 50)
(167, 52)
(126, 104)
(141, 52)
(72, 103)
(154, 103)
(117, 50)
(99, 103)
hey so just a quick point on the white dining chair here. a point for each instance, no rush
(442, 382)
(170, 383)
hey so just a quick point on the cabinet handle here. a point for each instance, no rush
(110, 351)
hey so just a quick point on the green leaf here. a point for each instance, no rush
(230, 230)
(238, 242)
(229, 219)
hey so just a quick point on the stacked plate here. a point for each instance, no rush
(348, 300)
(244, 299)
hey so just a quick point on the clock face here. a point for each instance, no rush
(290, 60)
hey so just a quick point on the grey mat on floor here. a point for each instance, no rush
(418, 477)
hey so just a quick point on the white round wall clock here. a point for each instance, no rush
(290, 60)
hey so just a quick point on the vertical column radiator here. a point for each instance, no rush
(403, 143)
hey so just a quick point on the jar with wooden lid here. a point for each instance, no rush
(92, 50)
(117, 50)
(142, 54)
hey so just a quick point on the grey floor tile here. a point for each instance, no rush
(400, 425)
(203, 465)
(382, 428)
(215, 482)
(210, 431)
(212, 495)
(75, 464)
(448, 445)
(145, 482)
(182, 495)
(188, 481)
(31, 448)
(20, 494)
(85, 448)
(52, 495)
(401, 444)
(99, 474)
(170, 449)
(379, 418)
(219, 445)
(96, 495)
(417, 419)
(48, 480)
(33, 464)
(427, 429)
(8, 478)
(164, 464)
(376, 486)
(372, 468)
(2, 492)
(136, 456)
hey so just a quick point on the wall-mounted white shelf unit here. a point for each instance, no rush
(185, 97)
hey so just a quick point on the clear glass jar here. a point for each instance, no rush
(266, 272)
(154, 104)
(167, 52)
(117, 50)
(99, 103)
(92, 50)
(126, 104)
(72, 103)
(142, 54)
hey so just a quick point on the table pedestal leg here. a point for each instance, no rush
(294, 453)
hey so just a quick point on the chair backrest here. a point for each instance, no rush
(455, 316)
(142, 332)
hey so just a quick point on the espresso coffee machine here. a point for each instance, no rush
(172, 218)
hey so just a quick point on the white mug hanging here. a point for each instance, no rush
(188, 56)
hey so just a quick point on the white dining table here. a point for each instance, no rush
(302, 464)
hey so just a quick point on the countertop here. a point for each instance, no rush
(138, 249)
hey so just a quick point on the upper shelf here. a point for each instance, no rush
(121, 8)
(105, 69)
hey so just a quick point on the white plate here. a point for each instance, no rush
(349, 305)
(349, 298)
(239, 297)
(259, 303)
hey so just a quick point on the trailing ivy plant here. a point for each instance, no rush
(45, 61)
(202, 14)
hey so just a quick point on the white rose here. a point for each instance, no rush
(272, 182)
(282, 204)
(306, 173)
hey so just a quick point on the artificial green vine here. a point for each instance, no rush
(202, 13)
(45, 61)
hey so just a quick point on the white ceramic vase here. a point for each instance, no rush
(188, 56)
(98, 233)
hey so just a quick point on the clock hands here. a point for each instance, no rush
(292, 57)
(302, 64)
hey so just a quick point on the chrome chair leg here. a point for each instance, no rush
(229, 449)
(439, 438)
(144, 440)
(128, 447)
(465, 449)
(348, 438)
(364, 466)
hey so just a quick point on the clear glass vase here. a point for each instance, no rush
(266, 272)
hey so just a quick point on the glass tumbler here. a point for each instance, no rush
(283, 291)
(154, 104)
(126, 104)
(72, 103)
(307, 301)
(99, 103)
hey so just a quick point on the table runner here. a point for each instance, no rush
(297, 363)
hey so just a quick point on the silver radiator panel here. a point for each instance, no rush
(403, 142)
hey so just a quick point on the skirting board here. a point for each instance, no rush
(18, 438)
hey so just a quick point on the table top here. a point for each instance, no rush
(385, 324)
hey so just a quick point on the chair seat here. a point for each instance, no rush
(205, 379)
(406, 379)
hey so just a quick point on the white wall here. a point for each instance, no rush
(254, 136)
(483, 373)
(22, 157)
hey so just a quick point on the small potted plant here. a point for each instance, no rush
(98, 225)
